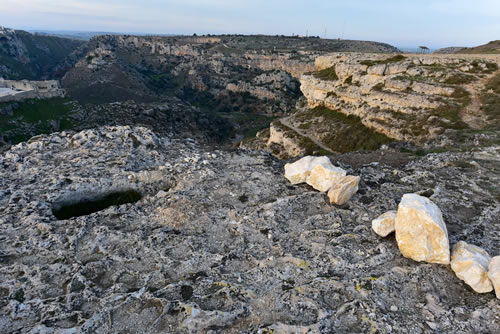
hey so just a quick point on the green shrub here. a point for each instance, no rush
(348, 133)
(326, 74)
(390, 60)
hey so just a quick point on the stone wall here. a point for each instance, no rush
(23, 90)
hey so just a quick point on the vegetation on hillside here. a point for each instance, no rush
(37, 59)
(36, 117)
(326, 74)
(389, 60)
(490, 101)
(344, 133)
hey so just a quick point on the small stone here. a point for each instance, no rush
(420, 230)
(384, 224)
(343, 189)
(494, 274)
(324, 176)
(470, 264)
(298, 171)
(394, 308)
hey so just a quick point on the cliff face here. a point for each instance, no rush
(145, 68)
(410, 98)
(33, 57)
(198, 240)
(359, 101)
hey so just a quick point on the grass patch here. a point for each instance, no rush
(490, 102)
(390, 60)
(494, 84)
(347, 133)
(88, 206)
(378, 87)
(305, 143)
(451, 109)
(39, 116)
(460, 79)
(328, 74)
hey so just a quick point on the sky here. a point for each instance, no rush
(403, 23)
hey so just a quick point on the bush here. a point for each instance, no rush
(326, 74)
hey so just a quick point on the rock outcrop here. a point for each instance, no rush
(220, 241)
(411, 98)
(420, 230)
(470, 263)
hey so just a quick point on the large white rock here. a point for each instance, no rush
(343, 189)
(323, 176)
(420, 230)
(383, 225)
(494, 274)
(470, 264)
(298, 171)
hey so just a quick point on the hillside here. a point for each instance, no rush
(356, 101)
(492, 47)
(33, 57)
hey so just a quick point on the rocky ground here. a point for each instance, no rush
(220, 242)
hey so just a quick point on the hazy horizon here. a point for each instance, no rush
(402, 23)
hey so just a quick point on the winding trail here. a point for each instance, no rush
(286, 122)
(472, 114)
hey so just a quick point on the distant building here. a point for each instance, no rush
(12, 90)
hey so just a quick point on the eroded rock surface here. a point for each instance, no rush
(221, 242)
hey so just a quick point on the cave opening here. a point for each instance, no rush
(85, 205)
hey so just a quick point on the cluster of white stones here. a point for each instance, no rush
(421, 235)
(322, 175)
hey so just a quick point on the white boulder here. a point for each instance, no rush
(383, 225)
(323, 176)
(343, 189)
(470, 264)
(421, 233)
(494, 274)
(298, 171)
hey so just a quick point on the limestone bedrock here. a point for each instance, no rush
(383, 225)
(421, 233)
(470, 264)
(343, 189)
(494, 274)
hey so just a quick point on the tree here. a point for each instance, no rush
(424, 49)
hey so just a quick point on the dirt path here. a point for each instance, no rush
(472, 114)
(286, 122)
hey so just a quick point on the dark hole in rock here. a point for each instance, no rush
(426, 193)
(186, 292)
(87, 205)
